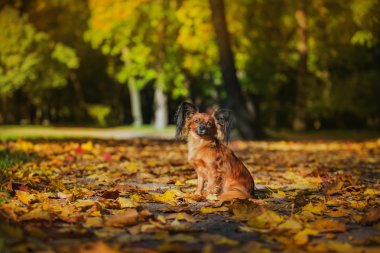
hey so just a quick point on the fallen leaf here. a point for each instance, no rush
(358, 204)
(182, 238)
(212, 197)
(338, 213)
(326, 225)
(213, 209)
(371, 192)
(218, 239)
(181, 216)
(84, 204)
(168, 196)
(336, 246)
(161, 219)
(127, 202)
(266, 220)
(279, 194)
(315, 209)
(99, 247)
(371, 216)
(94, 222)
(291, 225)
(127, 218)
(111, 194)
(330, 236)
(333, 188)
(36, 214)
(302, 237)
(25, 197)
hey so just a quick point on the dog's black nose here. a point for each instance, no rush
(201, 130)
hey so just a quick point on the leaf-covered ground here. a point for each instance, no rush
(137, 196)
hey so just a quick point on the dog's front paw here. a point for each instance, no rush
(198, 196)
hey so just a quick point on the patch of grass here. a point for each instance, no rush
(168, 128)
(11, 132)
(341, 134)
(7, 160)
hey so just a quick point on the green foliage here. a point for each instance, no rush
(29, 59)
(99, 112)
(66, 55)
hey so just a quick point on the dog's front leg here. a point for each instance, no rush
(200, 184)
(213, 185)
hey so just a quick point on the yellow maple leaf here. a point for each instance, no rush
(302, 237)
(213, 209)
(338, 213)
(279, 194)
(218, 239)
(127, 218)
(88, 146)
(358, 204)
(161, 219)
(126, 202)
(267, 219)
(291, 225)
(97, 248)
(25, 197)
(84, 204)
(372, 192)
(181, 216)
(36, 214)
(168, 197)
(326, 225)
(93, 222)
(315, 209)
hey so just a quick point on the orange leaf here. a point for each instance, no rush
(129, 217)
(325, 225)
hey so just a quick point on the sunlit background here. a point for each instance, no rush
(293, 65)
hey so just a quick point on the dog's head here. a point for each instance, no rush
(216, 125)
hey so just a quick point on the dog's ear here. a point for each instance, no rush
(225, 119)
(184, 112)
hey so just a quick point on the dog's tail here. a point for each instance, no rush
(235, 194)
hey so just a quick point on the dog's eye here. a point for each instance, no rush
(209, 123)
(196, 120)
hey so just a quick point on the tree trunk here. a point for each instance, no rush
(134, 95)
(160, 99)
(78, 90)
(160, 105)
(246, 114)
(299, 123)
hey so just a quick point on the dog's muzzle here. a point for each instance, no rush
(201, 130)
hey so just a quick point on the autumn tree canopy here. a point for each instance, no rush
(297, 64)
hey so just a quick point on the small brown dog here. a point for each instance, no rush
(212, 160)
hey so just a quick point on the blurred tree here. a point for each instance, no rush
(247, 121)
(200, 65)
(29, 59)
(302, 64)
(65, 21)
(299, 123)
(138, 33)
